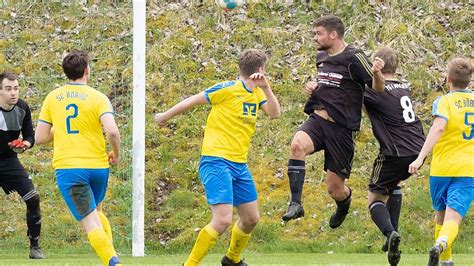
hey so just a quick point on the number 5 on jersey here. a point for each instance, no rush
(471, 123)
(70, 117)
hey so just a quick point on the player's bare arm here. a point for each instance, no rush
(272, 106)
(378, 83)
(436, 130)
(43, 133)
(113, 137)
(162, 118)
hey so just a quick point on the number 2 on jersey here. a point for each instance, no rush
(69, 117)
(408, 113)
(466, 121)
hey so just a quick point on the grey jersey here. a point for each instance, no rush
(12, 123)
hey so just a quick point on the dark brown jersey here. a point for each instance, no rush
(394, 123)
(341, 82)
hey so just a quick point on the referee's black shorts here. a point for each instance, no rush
(387, 173)
(13, 177)
(336, 141)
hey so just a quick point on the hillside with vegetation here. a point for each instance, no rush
(191, 47)
(33, 41)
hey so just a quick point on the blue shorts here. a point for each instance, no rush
(455, 192)
(82, 189)
(226, 182)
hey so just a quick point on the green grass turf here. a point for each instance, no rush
(214, 259)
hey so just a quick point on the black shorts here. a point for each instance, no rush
(13, 177)
(336, 141)
(387, 173)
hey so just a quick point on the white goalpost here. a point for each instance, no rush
(138, 138)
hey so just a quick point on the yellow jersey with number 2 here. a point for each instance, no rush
(74, 111)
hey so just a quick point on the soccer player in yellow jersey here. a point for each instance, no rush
(72, 116)
(223, 166)
(452, 167)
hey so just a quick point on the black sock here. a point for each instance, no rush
(381, 217)
(394, 205)
(33, 220)
(296, 173)
(345, 204)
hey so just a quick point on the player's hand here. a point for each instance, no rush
(113, 159)
(377, 65)
(310, 87)
(18, 145)
(415, 165)
(160, 119)
(260, 80)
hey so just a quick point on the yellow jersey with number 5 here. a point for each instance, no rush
(453, 154)
(74, 111)
(231, 122)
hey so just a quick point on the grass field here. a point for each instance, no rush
(253, 259)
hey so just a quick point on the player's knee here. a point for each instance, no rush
(335, 190)
(297, 148)
(330, 190)
(374, 197)
(222, 222)
(251, 220)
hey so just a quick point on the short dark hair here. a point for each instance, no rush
(390, 57)
(331, 23)
(460, 72)
(75, 64)
(6, 75)
(250, 60)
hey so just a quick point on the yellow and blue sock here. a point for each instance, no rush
(238, 241)
(106, 225)
(448, 232)
(103, 247)
(447, 254)
(206, 239)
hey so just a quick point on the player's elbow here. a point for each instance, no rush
(273, 112)
(438, 130)
(275, 115)
(113, 133)
(39, 139)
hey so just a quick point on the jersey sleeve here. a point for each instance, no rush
(262, 98)
(27, 131)
(104, 106)
(361, 69)
(45, 113)
(441, 108)
(218, 93)
(370, 96)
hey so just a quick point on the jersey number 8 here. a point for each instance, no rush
(408, 113)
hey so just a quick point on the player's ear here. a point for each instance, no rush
(87, 71)
(333, 35)
(261, 69)
(448, 80)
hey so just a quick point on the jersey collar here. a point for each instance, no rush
(76, 84)
(245, 86)
(463, 90)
